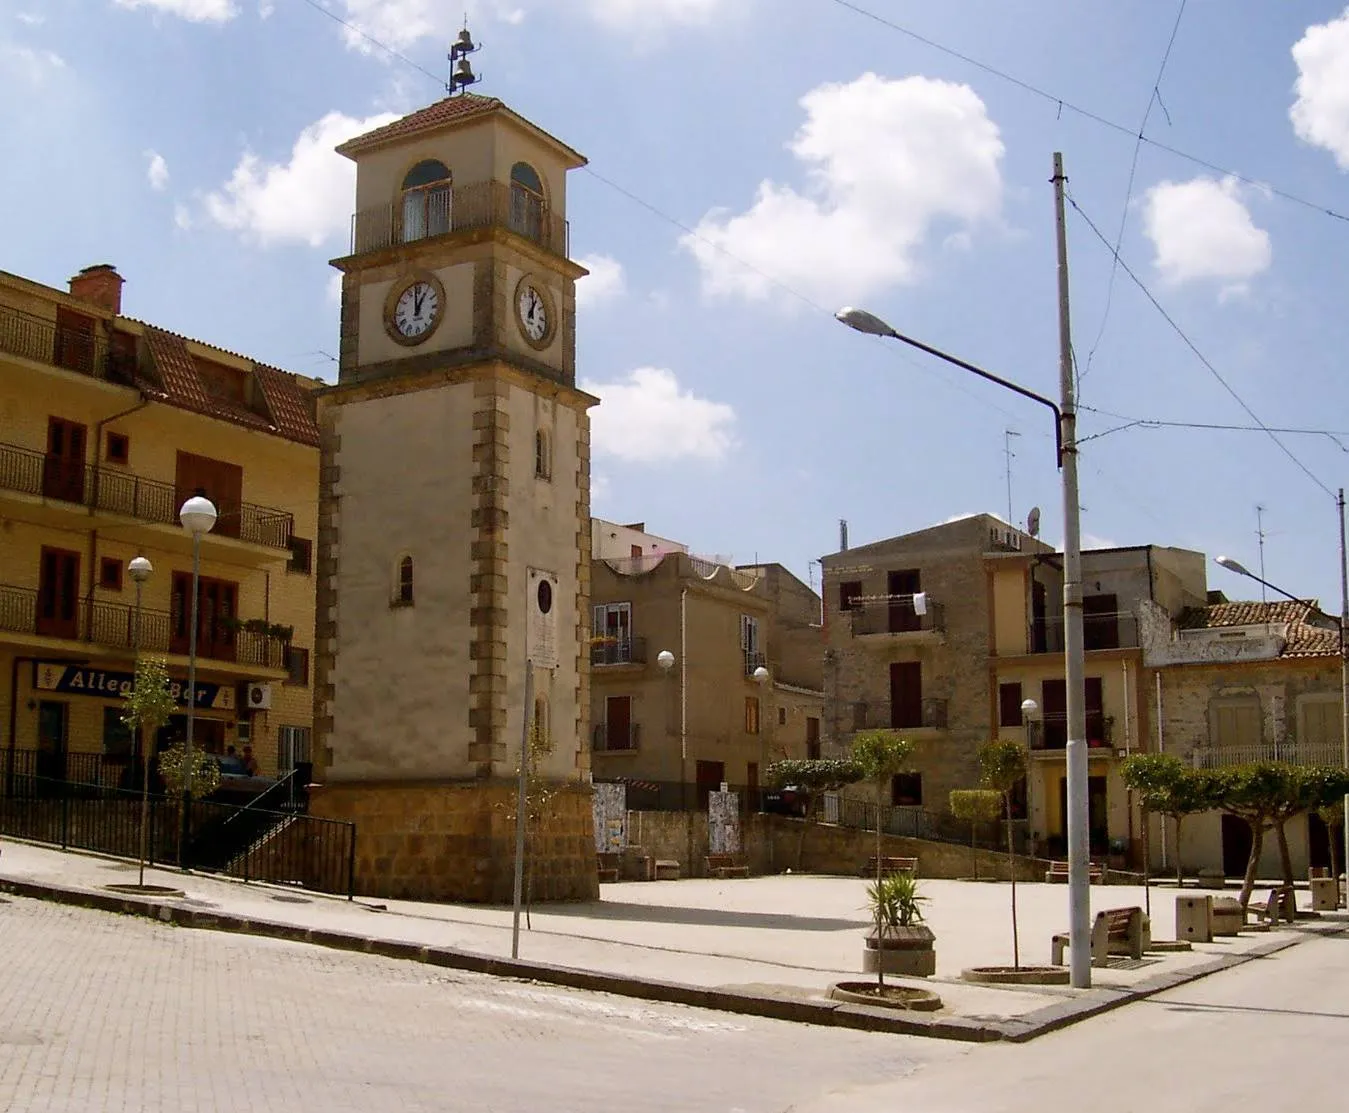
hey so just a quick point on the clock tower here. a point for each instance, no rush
(454, 516)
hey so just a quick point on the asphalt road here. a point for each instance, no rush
(102, 1012)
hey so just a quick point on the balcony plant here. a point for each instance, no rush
(898, 941)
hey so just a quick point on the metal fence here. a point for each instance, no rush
(243, 841)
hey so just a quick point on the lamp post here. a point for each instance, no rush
(140, 570)
(1065, 440)
(762, 677)
(198, 515)
(1241, 570)
(665, 659)
(1030, 718)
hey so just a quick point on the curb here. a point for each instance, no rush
(822, 1012)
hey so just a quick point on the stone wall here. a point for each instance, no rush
(456, 842)
(770, 845)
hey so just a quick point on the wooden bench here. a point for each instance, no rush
(722, 866)
(1116, 931)
(607, 865)
(1275, 906)
(890, 865)
(1058, 871)
(667, 869)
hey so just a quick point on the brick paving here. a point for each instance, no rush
(110, 1013)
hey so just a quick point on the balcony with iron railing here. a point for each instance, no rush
(1049, 732)
(895, 615)
(614, 737)
(114, 626)
(118, 491)
(1117, 630)
(72, 349)
(1289, 750)
(618, 651)
(428, 214)
(754, 660)
(930, 713)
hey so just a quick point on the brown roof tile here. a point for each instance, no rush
(291, 405)
(176, 370)
(1310, 632)
(447, 111)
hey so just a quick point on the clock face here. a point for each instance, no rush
(533, 312)
(417, 310)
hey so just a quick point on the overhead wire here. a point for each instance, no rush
(1154, 97)
(1194, 348)
(1088, 114)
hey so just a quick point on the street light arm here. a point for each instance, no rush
(1021, 390)
(1243, 571)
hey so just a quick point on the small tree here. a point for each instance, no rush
(147, 708)
(1167, 786)
(1310, 788)
(814, 777)
(1332, 815)
(1003, 763)
(975, 806)
(880, 754)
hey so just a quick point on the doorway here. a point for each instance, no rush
(906, 694)
(1318, 842)
(1098, 817)
(1237, 839)
(63, 468)
(709, 776)
(902, 587)
(53, 720)
(58, 594)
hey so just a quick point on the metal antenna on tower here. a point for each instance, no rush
(1007, 435)
(461, 73)
(1260, 538)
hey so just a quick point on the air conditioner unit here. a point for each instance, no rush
(259, 697)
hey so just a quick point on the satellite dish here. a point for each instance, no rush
(1033, 522)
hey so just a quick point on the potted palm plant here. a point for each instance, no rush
(898, 942)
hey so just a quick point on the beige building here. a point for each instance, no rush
(675, 734)
(1235, 682)
(454, 509)
(1026, 662)
(107, 425)
(908, 626)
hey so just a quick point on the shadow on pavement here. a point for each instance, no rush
(710, 917)
(1200, 1007)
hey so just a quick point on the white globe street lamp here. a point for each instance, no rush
(198, 515)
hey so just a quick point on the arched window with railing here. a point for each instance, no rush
(527, 201)
(426, 201)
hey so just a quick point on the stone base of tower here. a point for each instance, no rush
(456, 841)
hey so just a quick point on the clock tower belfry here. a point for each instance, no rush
(454, 511)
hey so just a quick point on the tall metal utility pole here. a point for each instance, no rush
(1079, 894)
(1344, 679)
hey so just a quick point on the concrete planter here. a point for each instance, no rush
(1016, 975)
(892, 997)
(902, 951)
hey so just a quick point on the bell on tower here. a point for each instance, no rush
(461, 73)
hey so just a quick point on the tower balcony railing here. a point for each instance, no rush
(427, 214)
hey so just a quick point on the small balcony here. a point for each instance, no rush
(72, 349)
(1099, 631)
(754, 660)
(443, 212)
(929, 714)
(113, 626)
(611, 738)
(618, 651)
(1289, 751)
(895, 616)
(1049, 732)
(115, 491)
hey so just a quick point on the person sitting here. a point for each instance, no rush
(250, 763)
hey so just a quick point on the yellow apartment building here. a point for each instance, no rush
(107, 424)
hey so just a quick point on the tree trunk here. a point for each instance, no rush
(1336, 840)
(1286, 861)
(1011, 873)
(1180, 877)
(1147, 865)
(878, 831)
(1257, 845)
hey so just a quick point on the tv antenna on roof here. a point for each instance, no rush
(461, 73)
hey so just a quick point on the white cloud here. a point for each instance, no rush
(194, 11)
(605, 282)
(306, 200)
(649, 15)
(647, 418)
(158, 170)
(266, 9)
(888, 162)
(1201, 229)
(182, 217)
(30, 65)
(30, 19)
(1096, 541)
(335, 288)
(1320, 114)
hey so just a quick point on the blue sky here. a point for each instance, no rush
(754, 165)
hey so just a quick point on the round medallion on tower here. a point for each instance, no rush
(414, 308)
(534, 312)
